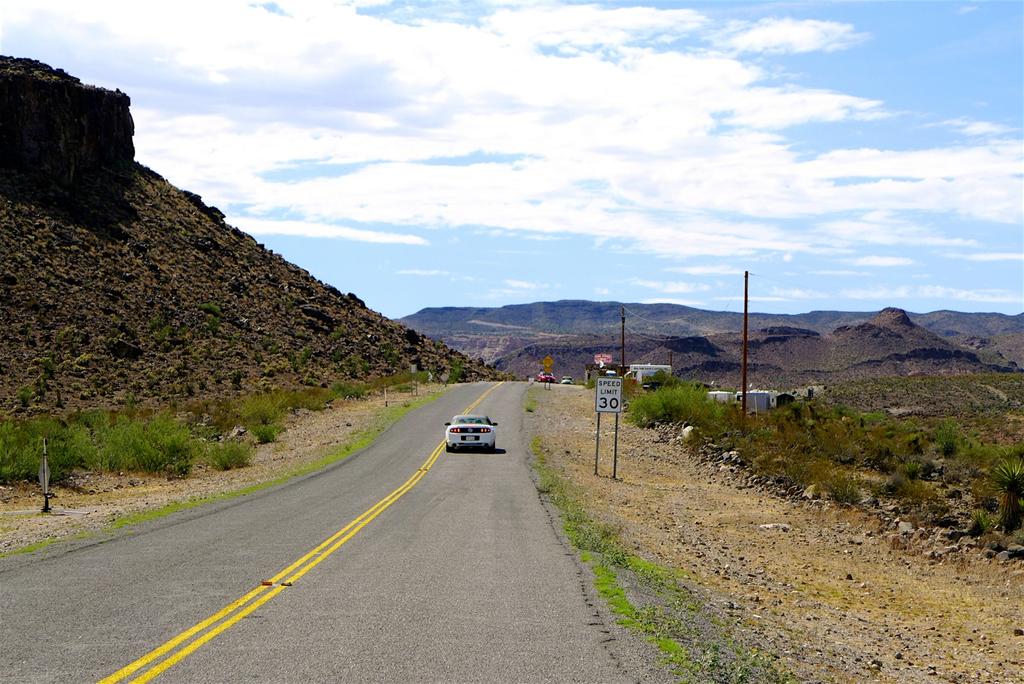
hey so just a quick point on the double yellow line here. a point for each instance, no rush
(230, 614)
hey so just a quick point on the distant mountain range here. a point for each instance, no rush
(784, 349)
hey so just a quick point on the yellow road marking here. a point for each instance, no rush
(300, 567)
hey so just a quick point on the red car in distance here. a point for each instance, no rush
(545, 377)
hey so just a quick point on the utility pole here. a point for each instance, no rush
(670, 361)
(623, 312)
(743, 372)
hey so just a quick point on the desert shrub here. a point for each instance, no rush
(677, 404)
(844, 488)
(982, 522)
(662, 379)
(912, 491)
(981, 457)
(262, 410)
(21, 448)
(229, 455)
(349, 390)
(159, 445)
(1008, 477)
(455, 375)
(312, 398)
(210, 308)
(912, 469)
(266, 433)
(948, 437)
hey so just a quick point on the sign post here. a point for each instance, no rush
(44, 479)
(608, 399)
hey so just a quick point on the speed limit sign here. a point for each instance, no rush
(608, 398)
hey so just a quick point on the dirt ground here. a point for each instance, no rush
(91, 501)
(823, 586)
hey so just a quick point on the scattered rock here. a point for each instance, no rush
(781, 527)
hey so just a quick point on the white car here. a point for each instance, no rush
(464, 432)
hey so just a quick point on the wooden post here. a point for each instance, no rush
(743, 372)
(623, 312)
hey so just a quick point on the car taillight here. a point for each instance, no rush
(456, 430)
(485, 429)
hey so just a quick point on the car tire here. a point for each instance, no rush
(449, 448)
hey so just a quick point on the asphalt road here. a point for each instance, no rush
(462, 578)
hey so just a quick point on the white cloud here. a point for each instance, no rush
(883, 261)
(790, 36)
(671, 300)
(936, 292)
(589, 26)
(671, 287)
(580, 120)
(838, 273)
(797, 293)
(525, 285)
(705, 270)
(883, 228)
(322, 230)
(988, 256)
(977, 128)
(752, 298)
(602, 291)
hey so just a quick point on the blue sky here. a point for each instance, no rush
(851, 156)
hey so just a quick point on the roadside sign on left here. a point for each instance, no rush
(44, 479)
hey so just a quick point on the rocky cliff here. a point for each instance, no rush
(51, 123)
(115, 285)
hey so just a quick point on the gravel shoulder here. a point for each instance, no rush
(822, 586)
(90, 502)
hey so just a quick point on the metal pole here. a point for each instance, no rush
(597, 442)
(743, 373)
(623, 312)
(385, 397)
(44, 479)
(615, 458)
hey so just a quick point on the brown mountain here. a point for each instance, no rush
(888, 344)
(114, 283)
(497, 332)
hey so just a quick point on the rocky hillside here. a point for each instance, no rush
(497, 332)
(890, 344)
(115, 284)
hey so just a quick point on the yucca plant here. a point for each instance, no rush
(982, 522)
(1008, 477)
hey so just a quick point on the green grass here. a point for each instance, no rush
(530, 401)
(229, 455)
(667, 621)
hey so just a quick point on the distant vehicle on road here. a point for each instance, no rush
(545, 377)
(470, 432)
(566, 380)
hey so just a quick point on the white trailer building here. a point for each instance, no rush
(641, 370)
